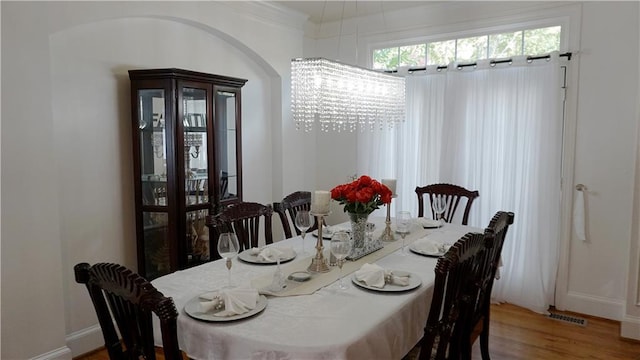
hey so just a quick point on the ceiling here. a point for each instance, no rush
(327, 11)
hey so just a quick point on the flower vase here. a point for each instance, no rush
(358, 229)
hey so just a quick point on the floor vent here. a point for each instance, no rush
(569, 319)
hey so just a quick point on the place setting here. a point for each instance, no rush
(267, 255)
(432, 245)
(228, 303)
(439, 205)
(427, 223)
(376, 278)
(327, 232)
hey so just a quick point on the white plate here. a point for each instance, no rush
(192, 308)
(247, 256)
(414, 282)
(425, 253)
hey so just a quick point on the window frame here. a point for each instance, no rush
(437, 34)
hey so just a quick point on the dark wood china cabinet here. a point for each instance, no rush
(187, 162)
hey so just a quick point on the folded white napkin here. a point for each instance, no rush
(444, 236)
(233, 301)
(428, 223)
(374, 276)
(427, 246)
(270, 254)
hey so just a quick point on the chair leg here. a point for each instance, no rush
(484, 338)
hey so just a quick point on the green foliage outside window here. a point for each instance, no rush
(505, 45)
(385, 58)
(413, 55)
(471, 49)
(441, 53)
(492, 46)
(541, 41)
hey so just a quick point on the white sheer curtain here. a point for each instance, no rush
(493, 129)
(410, 152)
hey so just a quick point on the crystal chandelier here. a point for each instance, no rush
(341, 96)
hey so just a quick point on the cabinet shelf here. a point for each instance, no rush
(195, 129)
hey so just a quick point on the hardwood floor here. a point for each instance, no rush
(519, 334)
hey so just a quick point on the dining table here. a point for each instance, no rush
(312, 319)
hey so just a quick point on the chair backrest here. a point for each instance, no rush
(479, 305)
(131, 299)
(289, 207)
(495, 235)
(453, 273)
(242, 219)
(452, 194)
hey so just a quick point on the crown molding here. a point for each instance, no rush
(271, 13)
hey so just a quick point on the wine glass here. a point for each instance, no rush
(303, 221)
(439, 204)
(228, 248)
(278, 283)
(403, 226)
(340, 247)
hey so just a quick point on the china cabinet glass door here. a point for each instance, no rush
(153, 176)
(229, 153)
(195, 118)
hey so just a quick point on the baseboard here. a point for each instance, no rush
(63, 353)
(78, 343)
(85, 340)
(630, 327)
(606, 308)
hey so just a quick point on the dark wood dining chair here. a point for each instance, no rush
(289, 207)
(453, 194)
(479, 307)
(123, 297)
(242, 219)
(453, 273)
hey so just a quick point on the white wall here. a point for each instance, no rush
(92, 126)
(602, 111)
(66, 165)
(605, 156)
(631, 321)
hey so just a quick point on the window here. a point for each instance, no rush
(491, 46)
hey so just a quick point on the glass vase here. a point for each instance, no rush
(358, 229)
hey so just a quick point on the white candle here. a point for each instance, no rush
(320, 204)
(391, 184)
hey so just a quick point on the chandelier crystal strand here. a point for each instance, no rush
(342, 97)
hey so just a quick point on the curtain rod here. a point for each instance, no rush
(492, 63)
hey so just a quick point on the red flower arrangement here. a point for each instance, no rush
(362, 196)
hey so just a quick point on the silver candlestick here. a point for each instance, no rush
(318, 262)
(387, 234)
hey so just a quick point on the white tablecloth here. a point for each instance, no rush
(328, 324)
